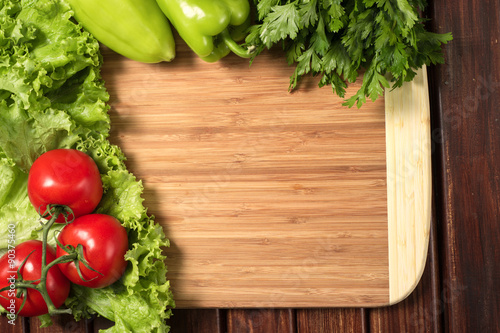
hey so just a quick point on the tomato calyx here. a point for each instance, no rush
(76, 256)
(55, 210)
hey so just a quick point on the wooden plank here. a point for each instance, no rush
(20, 325)
(467, 116)
(99, 323)
(198, 321)
(261, 320)
(331, 320)
(61, 324)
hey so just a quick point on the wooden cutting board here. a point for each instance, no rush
(271, 198)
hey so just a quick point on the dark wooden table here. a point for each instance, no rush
(459, 291)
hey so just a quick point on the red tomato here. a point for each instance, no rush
(65, 177)
(57, 284)
(104, 242)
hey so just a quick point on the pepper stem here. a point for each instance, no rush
(235, 47)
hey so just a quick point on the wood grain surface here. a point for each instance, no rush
(271, 198)
(459, 289)
(467, 159)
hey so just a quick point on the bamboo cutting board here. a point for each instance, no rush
(271, 198)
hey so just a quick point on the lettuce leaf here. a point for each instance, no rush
(52, 96)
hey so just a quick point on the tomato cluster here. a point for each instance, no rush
(91, 247)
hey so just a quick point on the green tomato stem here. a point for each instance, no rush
(42, 286)
(45, 233)
(25, 284)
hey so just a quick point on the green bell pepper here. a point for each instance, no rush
(209, 27)
(135, 29)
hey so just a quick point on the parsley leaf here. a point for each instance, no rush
(282, 22)
(338, 39)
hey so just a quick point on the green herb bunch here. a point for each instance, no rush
(339, 39)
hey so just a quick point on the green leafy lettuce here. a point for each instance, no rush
(52, 96)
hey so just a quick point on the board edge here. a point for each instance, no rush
(409, 190)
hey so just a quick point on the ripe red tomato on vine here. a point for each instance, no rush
(104, 241)
(65, 177)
